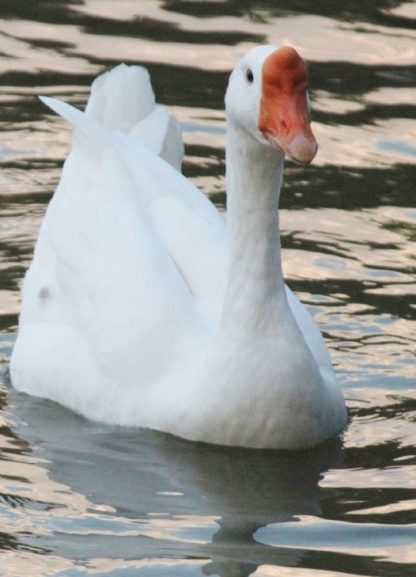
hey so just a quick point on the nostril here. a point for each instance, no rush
(283, 126)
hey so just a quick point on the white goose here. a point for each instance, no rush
(141, 307)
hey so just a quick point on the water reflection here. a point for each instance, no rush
(150, 490)
(78, 489)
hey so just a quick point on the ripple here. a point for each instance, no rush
(376, 540)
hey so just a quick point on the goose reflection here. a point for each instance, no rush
(194, 501)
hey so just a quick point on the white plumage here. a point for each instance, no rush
(141, 308)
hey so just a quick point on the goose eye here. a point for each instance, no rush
(249, 76)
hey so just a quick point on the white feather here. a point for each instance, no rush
(123, 312)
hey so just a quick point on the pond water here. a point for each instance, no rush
(78, 498)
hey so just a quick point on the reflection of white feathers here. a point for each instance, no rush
(122, 304)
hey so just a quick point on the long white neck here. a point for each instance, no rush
(255, 292)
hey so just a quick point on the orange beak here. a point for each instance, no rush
(284, 116)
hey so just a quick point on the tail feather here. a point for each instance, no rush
(123, 100)
(121, 97)
(73, 115)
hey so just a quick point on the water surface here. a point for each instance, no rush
(79, 498)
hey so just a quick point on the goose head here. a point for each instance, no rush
(267, 97)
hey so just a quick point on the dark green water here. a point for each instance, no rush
(79, 499)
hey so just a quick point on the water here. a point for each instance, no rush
(79, 498)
